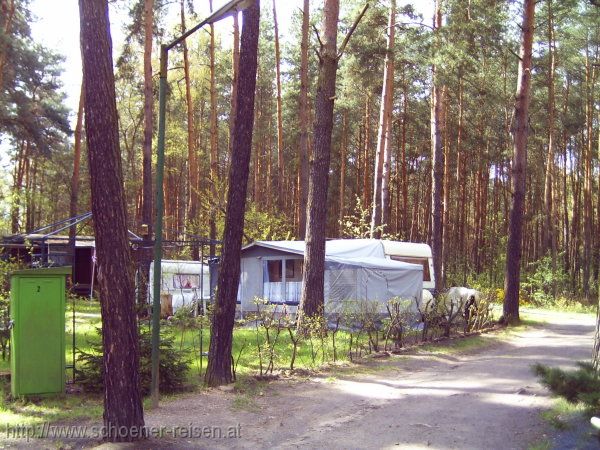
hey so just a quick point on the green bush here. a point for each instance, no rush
(576, 386)
(173, 370)
(544, 285)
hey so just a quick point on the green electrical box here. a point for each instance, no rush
(37, 310)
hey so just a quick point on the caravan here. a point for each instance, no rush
(412, 253)
(355, 270)
(183, 283)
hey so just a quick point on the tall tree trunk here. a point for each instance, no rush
(280, 162)
(383, 155)
(304, 119)
(29, 162)
(437, 162)
(565, 197)
(73, 203)
(343, 157)
(548, 230)
(192, 155)
(123, 414)
(405, 210)
(235, 70)
(519, 166)
(148, 117)
(446, 196)
(367, 146)
(220, 370)
(587, 178)
(460, 181)
(214, 155)
(19, 173)
(312, 300)
(387, 147)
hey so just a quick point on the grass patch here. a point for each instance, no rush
(459, 345)
(247, 389)
(561, 413)
(35, 412)
(544, 444)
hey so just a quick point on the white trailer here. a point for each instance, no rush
(183, 282)
(414, 253)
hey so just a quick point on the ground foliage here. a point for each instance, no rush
(576, 386)
(174, 365)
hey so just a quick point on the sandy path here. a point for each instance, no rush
(486, 399)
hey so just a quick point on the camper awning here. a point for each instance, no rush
(343, 248)
(371, 262)
(370, 278)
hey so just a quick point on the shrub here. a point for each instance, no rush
(399, 321)
(173, 365)
(543, 285)
(576, 386)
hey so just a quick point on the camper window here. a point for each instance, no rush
(293, 269)
(274, 268)
(423, 261)
(186, 281)
(281, 285)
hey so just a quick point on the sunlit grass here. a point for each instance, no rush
(33, 412)
(560, 414)
(461, 345)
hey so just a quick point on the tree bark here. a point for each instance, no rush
(446, 189)
(18, 175)
(565, 198)
(387, 148)
(192, 156)
(405, 209)
(214, 137)
(123, 414)
(312, 300)
(548, 231)
(366, 159)
(280, 162)
(148, 117)
(220, 370)
(235, 69)
(73, 203)
(437, 163)
(304, 119)
(381, 173)
(519, 165)
(588, 213)
(343, 157)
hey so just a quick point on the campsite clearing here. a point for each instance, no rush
(468, 399)
(426, 399)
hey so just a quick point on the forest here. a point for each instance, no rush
(469, 125)
(473, 49)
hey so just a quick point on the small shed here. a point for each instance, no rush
(37, 312)
(355, 270)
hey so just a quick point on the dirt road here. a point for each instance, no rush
(485, 399)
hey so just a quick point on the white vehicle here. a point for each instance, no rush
(183, 282)
(413, 253)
